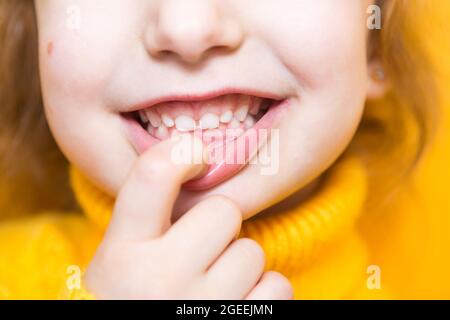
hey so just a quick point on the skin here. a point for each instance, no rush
(127, 51)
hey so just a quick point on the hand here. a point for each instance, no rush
(143, 256)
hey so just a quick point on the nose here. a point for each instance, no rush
(190, 29)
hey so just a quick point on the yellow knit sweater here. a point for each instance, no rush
(39, 255)
(331, 246)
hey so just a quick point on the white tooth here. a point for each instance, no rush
(241, 113)
(167, 120)
(154, 118)
(209, 121)
(234, 124)
(185, 123)
(162, 132)
(211, 134)
(150, 128)
(175, 134)
(226, 117)
(249, 122)
(143, 116)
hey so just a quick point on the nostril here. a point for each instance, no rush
(191, 32)
(220, 49)
(164, 53)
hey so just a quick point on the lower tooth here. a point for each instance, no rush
(211, 135)
(162, 132)
(234, 124)
(241, 113)
(143, 117)
(232, 134)
(154, 118)
(249, 122)
(175, 134)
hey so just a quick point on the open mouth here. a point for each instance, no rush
(228, 114)
(233, 127)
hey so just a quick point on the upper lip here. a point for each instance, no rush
(196, 97)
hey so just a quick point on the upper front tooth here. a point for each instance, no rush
(154, 118)
(185, 123)
(241, 113)
(209, 121)
(143, 116)
(167, 120)
(226, 117)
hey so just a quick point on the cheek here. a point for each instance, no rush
(75, 67)
(322, 45)
(73, 79)
(80, 45)
(72, 66)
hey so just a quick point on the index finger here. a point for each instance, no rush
(144, 204)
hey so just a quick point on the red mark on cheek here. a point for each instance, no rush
(50, 48)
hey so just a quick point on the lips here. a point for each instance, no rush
(233, 127)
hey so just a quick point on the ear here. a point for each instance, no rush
(377, 80)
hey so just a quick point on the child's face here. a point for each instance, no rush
(102, 59)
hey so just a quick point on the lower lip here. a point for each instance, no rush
(221, 170)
